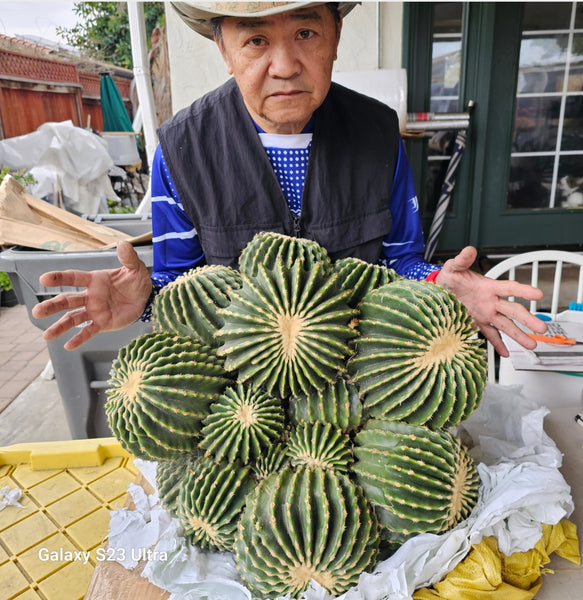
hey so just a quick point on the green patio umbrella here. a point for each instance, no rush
(115, 115)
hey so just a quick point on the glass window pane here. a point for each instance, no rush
(542, 64)
(530, 182)
(542, 16)
(447, 17)
(570, 182)
(536, 124)
(576, 67)
(572, 138)
(445, 72)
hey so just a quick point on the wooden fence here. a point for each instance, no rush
(36, 90)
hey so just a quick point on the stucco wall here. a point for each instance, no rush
(197, 67)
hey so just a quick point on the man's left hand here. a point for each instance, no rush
(486, 302)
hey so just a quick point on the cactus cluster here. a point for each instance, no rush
(300, 411)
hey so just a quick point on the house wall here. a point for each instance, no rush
(371, 39)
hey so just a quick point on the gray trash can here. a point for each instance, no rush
(81, 374)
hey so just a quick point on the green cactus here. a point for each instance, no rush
(418, 480)
(188, 305)
(338, 403)
(161, 389)
(275, 460)
(287, 329)
(243, 423)
(303, 525)
(268, 248)
(210, 501)
(418, 358)
(361, 277)
(319, 445)
(169, 476)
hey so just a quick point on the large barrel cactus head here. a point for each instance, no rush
(210, 501)
(361, 277)
(243, 424)
(418, 358)
(418, 480)
(303, 525)
(268, 248)
(188, 306)
(287, 329)
(161, 389)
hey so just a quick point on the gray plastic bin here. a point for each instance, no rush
(81, 374)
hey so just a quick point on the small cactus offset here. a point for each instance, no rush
(210, 500)
(303, 525)
(418, 480)
(161, 389)
(243, 423)
(188, 305)
(275, 460)
(287, 329)
(418, 358)
(361, 277)
(319, 445)
(268, 248)
(338, 403)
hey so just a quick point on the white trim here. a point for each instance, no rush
(298, 141)
(168, 200)
(175, 235)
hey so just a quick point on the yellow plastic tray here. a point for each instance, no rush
(49, 548)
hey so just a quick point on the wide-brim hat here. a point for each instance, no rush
(198, 15)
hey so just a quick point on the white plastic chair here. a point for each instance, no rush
(535, 259)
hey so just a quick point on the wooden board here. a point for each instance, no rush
(32, 222)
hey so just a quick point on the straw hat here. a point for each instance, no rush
(198, 15)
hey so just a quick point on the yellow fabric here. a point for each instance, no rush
(487, 574)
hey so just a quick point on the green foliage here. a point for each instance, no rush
(5, 281)
(21, 176)
(103, 31)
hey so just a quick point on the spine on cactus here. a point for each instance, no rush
(268, 248)
(210, 501)
(303, 525)
(361, 277)
(418, 358)
(287, 329)
(417, 479)
(243, 423)
(188, 305)
(161, 389)
(338, 403)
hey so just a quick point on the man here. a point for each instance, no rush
(221, 175)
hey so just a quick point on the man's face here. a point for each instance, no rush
(282, 64)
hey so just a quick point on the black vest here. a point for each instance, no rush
(230, 192)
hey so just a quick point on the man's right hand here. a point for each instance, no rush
(112, 298)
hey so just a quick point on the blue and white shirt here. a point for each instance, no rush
(177, 247)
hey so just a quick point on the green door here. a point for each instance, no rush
(522, 175)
